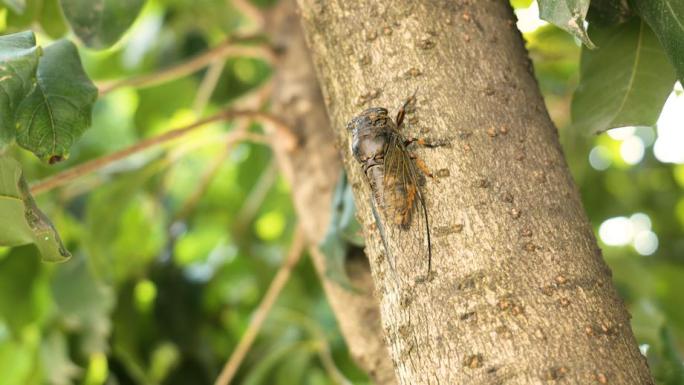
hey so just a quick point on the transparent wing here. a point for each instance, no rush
(402, 209)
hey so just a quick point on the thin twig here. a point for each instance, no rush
(208, 85)
(276, 286)
(195, 64)
(252, 13)
(98, 163)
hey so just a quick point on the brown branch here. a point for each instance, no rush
(251, 12)
(225, 49)
(279, 281)
(207, 86)
(98, 163)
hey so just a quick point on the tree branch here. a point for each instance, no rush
(207, 86)
(98, 163)
(225, 49)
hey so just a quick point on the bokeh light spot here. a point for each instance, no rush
(621, 133)
(616, 231)
(145, 293)
(528, 18)
(270, 226)
(599, 158)
(645, 242)
(632, 150)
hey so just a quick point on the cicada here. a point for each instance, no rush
(396, 177)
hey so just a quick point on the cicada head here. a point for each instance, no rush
(368, 133)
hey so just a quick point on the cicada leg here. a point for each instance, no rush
(423, 167)
(402, 111)
(425, 143)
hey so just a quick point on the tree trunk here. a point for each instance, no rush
(313, 169)
(520, 293)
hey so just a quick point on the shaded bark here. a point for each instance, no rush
(313, 167)
(520, 293)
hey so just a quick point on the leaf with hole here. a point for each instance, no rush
(623, 83)
(666, 19)
(101, 23)
(19, 57)
(58, 109)
(569, 15)
(21, 222)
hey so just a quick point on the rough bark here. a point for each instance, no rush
(313, 168)
(520, 293)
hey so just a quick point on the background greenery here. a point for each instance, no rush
(155, 293)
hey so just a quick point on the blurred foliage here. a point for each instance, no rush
(157, 295)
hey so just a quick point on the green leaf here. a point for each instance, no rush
(521, 3)
(52, 20)
(24, 291)
(16, 361)
(101, 23)
(568, 15)
(58, 109)
(18, 64)
(623, 83)
(17, 6)
(609, 12)
(21, 222)
(84, 303)
(666, 19)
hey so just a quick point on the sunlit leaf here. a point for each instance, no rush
(51, 19)
(18, 64)
(521, 3)
(21, 222)
(16, 362)
(58, 109)
(623, 83)
(567, 14)
(666, 19)
(101, 23)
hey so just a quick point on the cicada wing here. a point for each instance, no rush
(403, 211)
